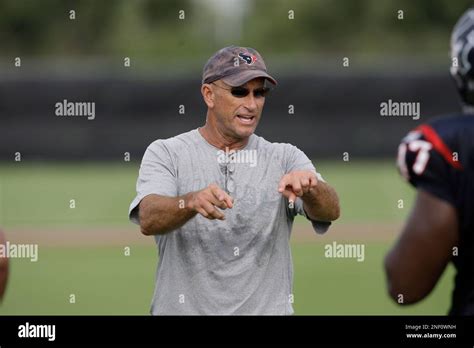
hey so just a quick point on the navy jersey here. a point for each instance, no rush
(438, 157)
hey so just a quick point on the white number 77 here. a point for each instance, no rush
(421, 160)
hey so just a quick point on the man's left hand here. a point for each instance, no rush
(297, 183)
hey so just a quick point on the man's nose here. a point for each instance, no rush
(251, 102)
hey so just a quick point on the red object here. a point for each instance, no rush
(439, 145)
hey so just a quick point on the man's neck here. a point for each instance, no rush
(215, 138)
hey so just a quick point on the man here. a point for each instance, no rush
(438, 159)
(221, 201)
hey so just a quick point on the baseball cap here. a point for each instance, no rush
(235, 66)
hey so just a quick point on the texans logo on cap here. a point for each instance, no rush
(248, 58)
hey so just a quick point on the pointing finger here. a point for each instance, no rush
(283, 183)
(288, 193)
(292, 198)
(229, 200)
(212, 211)
(296, 185)
(221, 196)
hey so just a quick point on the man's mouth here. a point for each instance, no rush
(246, 119)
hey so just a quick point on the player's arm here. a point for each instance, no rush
(425, 247)
(322, 203)
(3, 269)
(320, 200)
(161, 214)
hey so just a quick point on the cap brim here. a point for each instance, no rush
(243, 77)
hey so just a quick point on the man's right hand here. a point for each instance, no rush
(206, 202)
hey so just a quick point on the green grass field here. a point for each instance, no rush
(105, 281)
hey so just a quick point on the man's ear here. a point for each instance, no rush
(208, 95)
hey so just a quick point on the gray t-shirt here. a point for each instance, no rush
(241, 265)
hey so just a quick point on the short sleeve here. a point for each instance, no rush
(157, 175)
(421, 163)
(297, 160)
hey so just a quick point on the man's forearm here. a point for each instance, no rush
(321, 203)
(161, 214)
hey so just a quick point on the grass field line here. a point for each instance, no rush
(113, 236)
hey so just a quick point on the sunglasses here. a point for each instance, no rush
(242, 92)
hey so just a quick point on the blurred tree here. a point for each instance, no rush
(151, 29)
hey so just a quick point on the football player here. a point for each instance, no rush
(437, 158)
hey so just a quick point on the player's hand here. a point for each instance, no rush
(206, 202)
(297, 183)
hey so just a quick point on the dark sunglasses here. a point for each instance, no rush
(241, 92)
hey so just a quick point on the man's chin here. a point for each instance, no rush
(245, 133)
